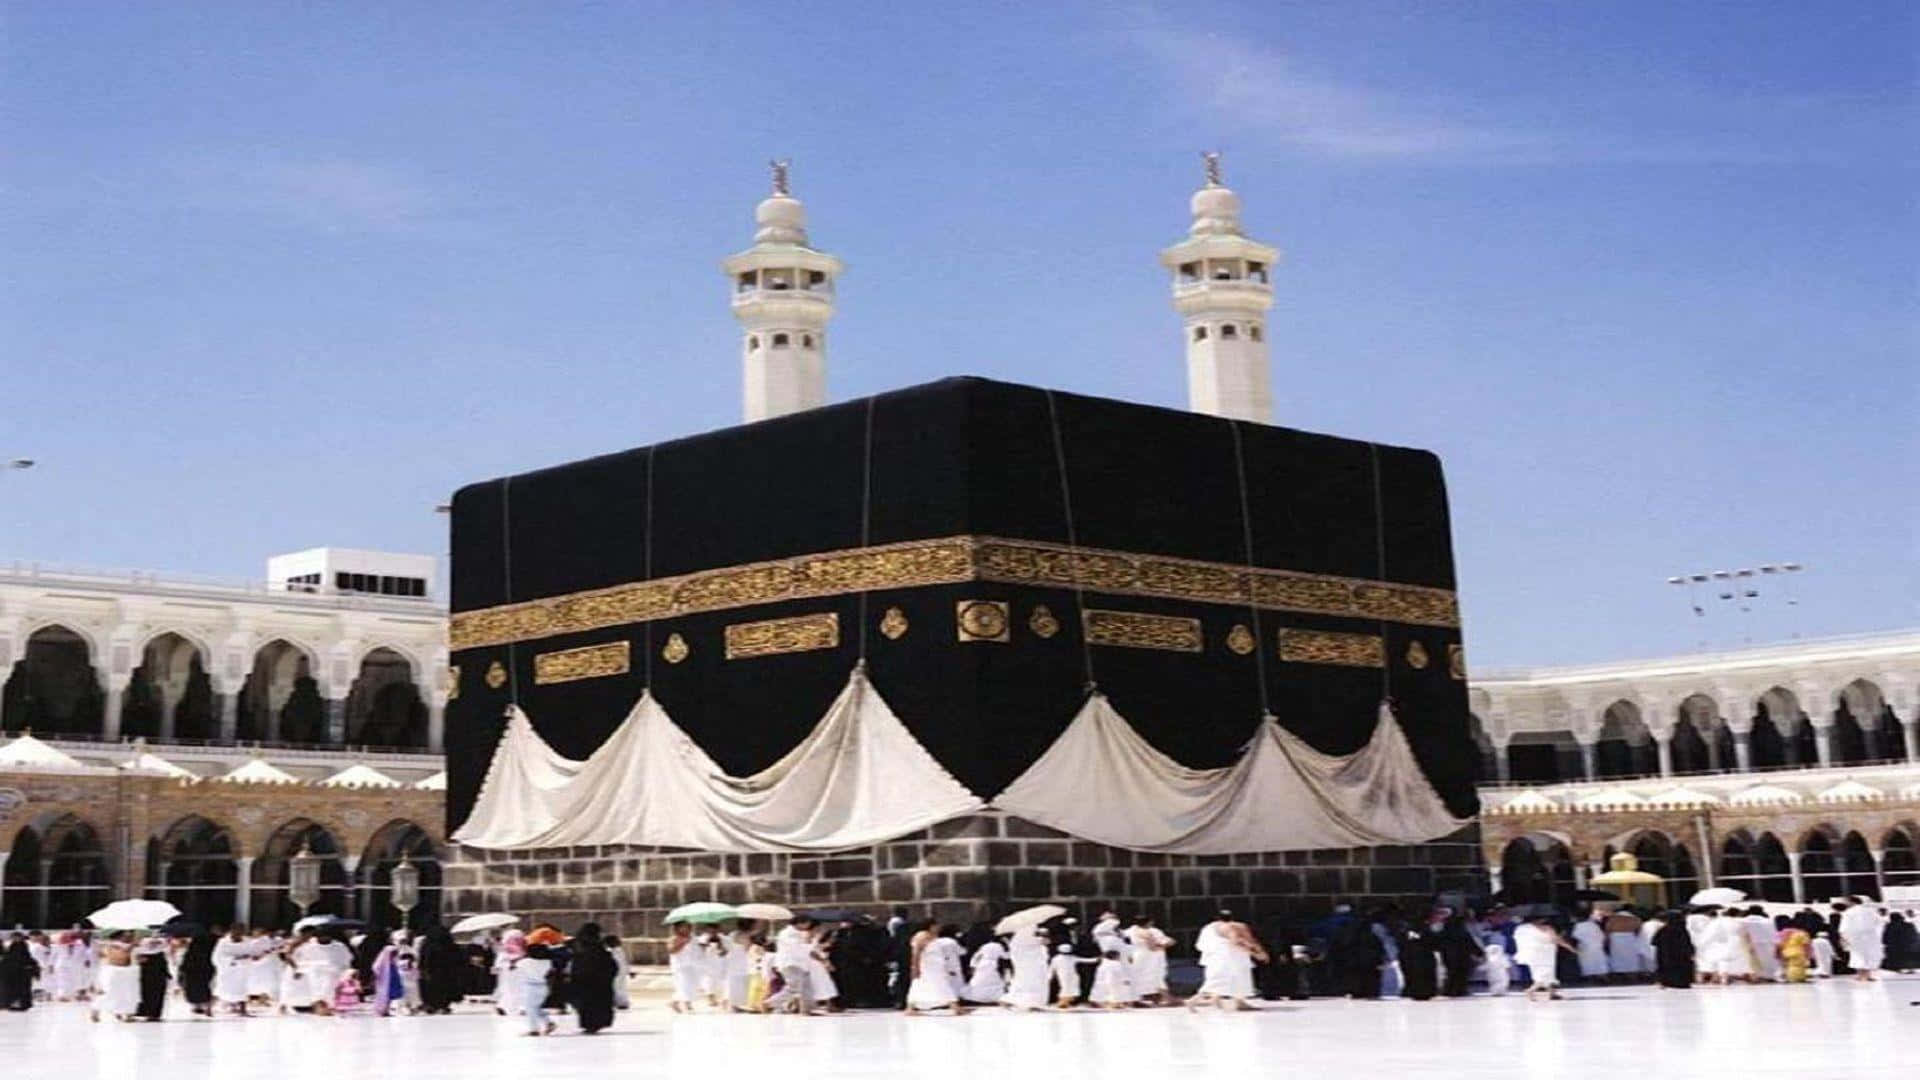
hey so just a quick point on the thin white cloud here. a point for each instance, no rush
(1239, 88)
(320, 192)
(1262, 90)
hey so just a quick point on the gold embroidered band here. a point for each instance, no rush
(1139, 630)
(590, 662)
(1330, 647)
(800, 633)
(949, 561)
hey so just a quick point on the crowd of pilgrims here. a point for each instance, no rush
(852, 961)
(127, 976)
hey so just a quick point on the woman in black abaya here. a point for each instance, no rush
(1673, 952)
(443, 972)
(151, 956)
(591, 980)
(17, 969)
(196, 973)
(1419, 970)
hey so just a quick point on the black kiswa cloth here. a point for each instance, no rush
(960, 458)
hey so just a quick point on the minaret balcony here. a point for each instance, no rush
(814, 299)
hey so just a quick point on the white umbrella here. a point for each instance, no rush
(1715, 897)
(701, 911)
(315, 922)
(133, 914)
(764, 912)
(1033, 916)
(473, 924)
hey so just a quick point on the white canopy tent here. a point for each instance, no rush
(1100, 780)
(860, 777)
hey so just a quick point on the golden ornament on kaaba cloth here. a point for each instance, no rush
(675, 650)
(1240, 639)
(1416, 655)
(893, 625)
(453, 682)
(1042, 622)
(1457, 661)
(496, 675)
(982, 620)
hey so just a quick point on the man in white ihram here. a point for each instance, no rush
(1227, 951)
(1861, 930)
(793, 959)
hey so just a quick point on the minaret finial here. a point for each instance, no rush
(780, 167)
(1212, 159)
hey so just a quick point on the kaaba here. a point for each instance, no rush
(989, 557)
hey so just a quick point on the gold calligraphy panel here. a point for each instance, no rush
(772, 637)
(952, 560)
(1139, 630)
(1331, 647)
(591, 662)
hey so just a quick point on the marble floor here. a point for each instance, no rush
(1835, 1029)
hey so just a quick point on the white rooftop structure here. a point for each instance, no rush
(361, 776)
(27, 752)
(333, 571)
(257, 771)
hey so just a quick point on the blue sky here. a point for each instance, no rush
(281, 275)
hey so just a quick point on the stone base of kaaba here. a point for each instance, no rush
(957, 871)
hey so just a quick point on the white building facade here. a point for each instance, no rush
(1835, 701)
(1788, 771)
(89, 655)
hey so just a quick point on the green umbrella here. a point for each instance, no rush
(702, 911)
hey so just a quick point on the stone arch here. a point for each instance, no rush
(73, 873)
(1489, 754)
(193, 865)
(170, 693)
(20, 903)
(1543, 757)
(1756, 865)
(1861, 726)
(1900, 858)
(55, 687)
(280, 700)
(1701, 740)
(1537, 868)
(384, 707)
(1823, 871)
(404, 652)
(272, 873)
(1856, 862)
(1782, 737)
(383, 852)
(1625, 747)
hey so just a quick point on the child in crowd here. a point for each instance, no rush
(1498, 970)
(1110, 987)
(1066, 971)
(1822, 956)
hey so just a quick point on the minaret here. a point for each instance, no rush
(783, 297)
(1222, 289)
